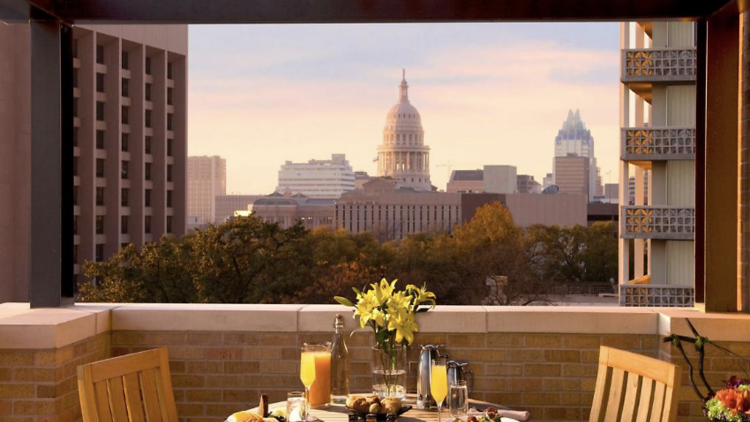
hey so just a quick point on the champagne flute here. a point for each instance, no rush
(439, 383)
(307, 373)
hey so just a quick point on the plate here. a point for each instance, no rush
(381, 416)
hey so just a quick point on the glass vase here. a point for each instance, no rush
(389, 370)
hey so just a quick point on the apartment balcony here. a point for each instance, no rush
(658, 65)
(657, 143)
(657, 222)
(662, 295)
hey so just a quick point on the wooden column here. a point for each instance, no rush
(744, 262)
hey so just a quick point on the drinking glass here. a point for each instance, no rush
(319, 393)
(439, 383)
(296, 407)
(307, 373)
(458, 399)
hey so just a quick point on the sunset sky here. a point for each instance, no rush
(487, 93)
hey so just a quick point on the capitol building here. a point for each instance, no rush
(403, 154)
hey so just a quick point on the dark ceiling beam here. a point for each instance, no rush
(373, 11)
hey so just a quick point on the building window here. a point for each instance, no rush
(169, 198)
(169, 121)
(99, 196)
(124, 144)
(169, 96)
(147, 198)
(99, 224)
(169, 172)
(148, 92)
(169, 224)
(100, 54)
(148, 65)
(75, 136)
(99, 139)
(75, 78)
(148, 171)
(75, 224)
(124, 197)
(75, 254)
(99, 167)
(124, 224)
(75, 195)
(147, 145)
(169, 70)
(75, 49)
(99, 82)
(169, 147)
(100, 111)
(75, 107)
(125, 113)
(124, 170)
(99, 252)
(148, 118)
(125, 60)
(147, 224)
(125, 86)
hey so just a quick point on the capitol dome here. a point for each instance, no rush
(403, 155)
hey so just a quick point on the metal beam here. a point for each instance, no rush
(376, 11)
(51, 165)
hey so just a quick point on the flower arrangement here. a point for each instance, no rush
(392, 316)
(731, 404)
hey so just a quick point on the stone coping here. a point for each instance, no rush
(25, 328)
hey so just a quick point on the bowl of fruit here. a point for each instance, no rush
(364, 405)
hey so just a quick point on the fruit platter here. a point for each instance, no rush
(364, 405)
(491, 414)
(276, 415)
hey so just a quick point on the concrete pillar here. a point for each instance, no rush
(721, 164)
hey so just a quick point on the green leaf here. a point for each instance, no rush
(344, 301)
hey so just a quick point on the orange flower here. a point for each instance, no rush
(743, 402)
(729, 399)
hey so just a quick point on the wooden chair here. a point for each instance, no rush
(634, 388)
(131, 388)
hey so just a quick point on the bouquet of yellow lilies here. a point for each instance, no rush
(392, 316)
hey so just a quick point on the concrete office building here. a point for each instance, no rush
(527, 184)
(130, 136)
(572, 174)
(403, 154)
(658, 139)
(288, 210)
(317, 178)
(226, 205)
(393, 212)
(611, 193)
(575, 138)
(500, 179)
(207, 179)
(469, 181)
(527, 210)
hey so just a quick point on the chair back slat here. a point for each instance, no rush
(117, 400)
(647, 398)
(131, 388)
(133, 401)
(634, 388)
(150, 396)
(614, 403)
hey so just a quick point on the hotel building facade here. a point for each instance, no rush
(207, 179)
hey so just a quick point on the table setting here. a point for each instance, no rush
(443, 385)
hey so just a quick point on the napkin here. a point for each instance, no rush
(514, 414)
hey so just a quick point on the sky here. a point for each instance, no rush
(488, 93)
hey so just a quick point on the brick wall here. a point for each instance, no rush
(40, 385)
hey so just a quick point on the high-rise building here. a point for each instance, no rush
(403, 154)
(611, 193)
(500, 179)
(470, 181)
(326, 179)
(129, 141)
(207, 179)
(226, 205)
(527, 184)
(572, 174)
(658, 136)
(548, 180)
(575, 138)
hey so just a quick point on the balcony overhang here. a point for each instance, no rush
(358, 11)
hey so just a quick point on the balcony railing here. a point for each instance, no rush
(656, 295)
(658, 65)
(654, 144)
(657, 222)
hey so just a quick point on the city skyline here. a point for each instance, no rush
(488, 94)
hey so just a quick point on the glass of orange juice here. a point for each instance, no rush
(316, 359)
(439, 383)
